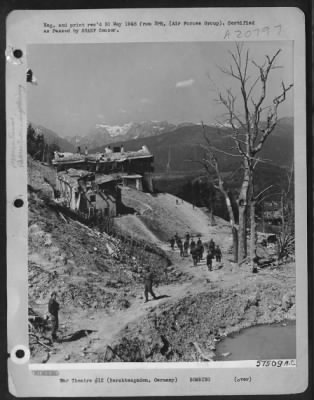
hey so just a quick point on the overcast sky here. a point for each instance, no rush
(80, 85)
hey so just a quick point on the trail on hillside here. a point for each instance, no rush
(106, 326)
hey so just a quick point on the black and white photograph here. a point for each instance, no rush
(157, 202)
(161, 223)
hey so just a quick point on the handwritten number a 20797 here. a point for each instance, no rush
(252, 33)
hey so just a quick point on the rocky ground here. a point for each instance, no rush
(188, 328)
(99, 283)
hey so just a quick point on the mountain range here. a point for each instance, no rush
(179, 147)
(103, 134)
(52, 137)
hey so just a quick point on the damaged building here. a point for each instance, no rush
(90, 184)
(88, 193)
(134, 168)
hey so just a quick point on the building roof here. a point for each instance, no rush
(119, 156)
(67, 157)
(101, 179)
(71, 176)
(133, 176)
(79, 173)
(74, 158)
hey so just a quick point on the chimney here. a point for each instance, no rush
(144, 148)
(86, 150)
(122, 149)
(79, 149)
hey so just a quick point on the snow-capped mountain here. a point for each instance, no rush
(115, 130)
(103, 133)
(226, 125)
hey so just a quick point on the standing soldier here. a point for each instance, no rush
(172, 242)
(180, 245)
(53, 309)
(199, 241)
(186, 246)
(148, 282)
(200, 249)
(209, 260)
(194, 254)
(218, 253)
(212, 246)
(176, 237)
(187, 237)
(193, 251)
(192, 246)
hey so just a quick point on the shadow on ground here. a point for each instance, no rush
(163, 296)
(76, 335)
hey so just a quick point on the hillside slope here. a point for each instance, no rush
(99, 283)
(163, 215)
(52, 137)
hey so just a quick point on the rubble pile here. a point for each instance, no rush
(40, 281)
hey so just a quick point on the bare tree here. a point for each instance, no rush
(211, 164)
(253, 124)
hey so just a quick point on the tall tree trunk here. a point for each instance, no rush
(235, 244)
(243, 204)
(242, 243)
(253, 233)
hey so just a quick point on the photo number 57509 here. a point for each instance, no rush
(276, 363)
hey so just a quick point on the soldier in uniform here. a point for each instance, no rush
(186, 246)
(218, 253)
(180, 245)
(192, 246)
(53, 309)
(194, 254)
(148, 282)
(176, 238)
(209, 260)
(200, 249)
(212, 246)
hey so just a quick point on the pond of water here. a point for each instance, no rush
(259, 343)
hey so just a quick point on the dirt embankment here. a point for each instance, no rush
(189, 329)
(159, 216)
(70, 257)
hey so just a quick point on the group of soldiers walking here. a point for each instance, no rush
(197, 249)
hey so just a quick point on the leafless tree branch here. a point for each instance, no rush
(272, 117)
